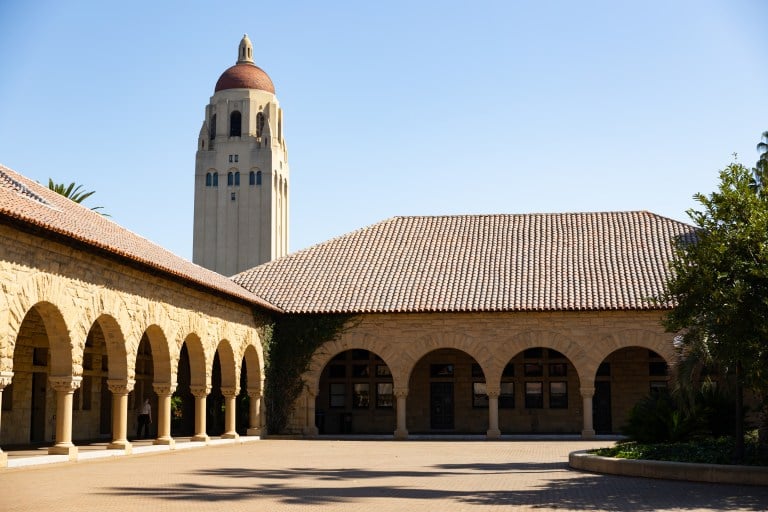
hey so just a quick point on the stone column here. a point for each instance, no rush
(310, 430)
(493, 414)
(255, 424)
(120, 390)
(200, 392)
(5, 380)
(230, 413)
(588, 431)
(65, 387)
(401, 432)
(164, 391)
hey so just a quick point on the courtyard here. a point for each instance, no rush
(279, 474)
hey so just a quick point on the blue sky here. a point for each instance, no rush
(396, 108)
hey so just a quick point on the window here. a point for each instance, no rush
(230, 158)
(477, 371)
(554, 354)
(558, 369)
(207, 179)
(533, 353)
(259, 123)
(533, 369)
(237, 179)
(382, 370)
(337, 371)
(441, 370)
(215, 179)
(235, 123)
(336, 395)
(509, 370)
(212, 132)
(658, 386)
(258, 177)
(360, 355)
(360, 370)
(230, 179)
(657, 369)
(360, 395)
(604, 370)
(384, 395)
(237, 158)
(507, 395)
(558, 395)
(479, 394)
(534, 395)
(251, 178)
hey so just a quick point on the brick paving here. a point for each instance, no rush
(287, 475)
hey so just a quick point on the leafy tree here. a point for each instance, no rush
(73, 192)
(720, 284)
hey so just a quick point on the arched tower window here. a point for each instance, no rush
(212, 128)
(207, 179)
(251, 178)
(215, 179)
(230, 179)
(258, 177)
(235, 124)
(237, 179)
(259, 123)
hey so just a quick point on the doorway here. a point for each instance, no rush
(441, 405)
(37, 425)
(601, 408)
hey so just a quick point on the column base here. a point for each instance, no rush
(126, 446)
(165, 441)
(202, 438)
(63, 449)
(3, 460)
(493, 434)
(230, 435)
(587, 434)
(311, 432)
(255, 431)
(401, 435)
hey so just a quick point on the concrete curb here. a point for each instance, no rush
(711, 473)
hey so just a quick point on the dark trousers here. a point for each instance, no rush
(143, 426)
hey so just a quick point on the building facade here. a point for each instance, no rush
(241, 172)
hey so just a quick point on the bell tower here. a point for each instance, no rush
(241, 172)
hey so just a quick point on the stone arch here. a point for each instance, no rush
(475, 348)
(116, 347)
(161, 357)
(199, 366)
(661, 343)
(329, 350)
(228, 364)
(254, 367)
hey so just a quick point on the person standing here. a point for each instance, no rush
(145, 419)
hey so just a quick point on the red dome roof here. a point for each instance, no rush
(245, 76)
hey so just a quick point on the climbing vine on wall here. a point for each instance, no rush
(289, 343)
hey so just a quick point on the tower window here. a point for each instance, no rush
(212, 128)
(235, 124)
(259, 123)
(230, 179)
(215, 179)
(237, 179)
(207, 179)
(258, 177)
(251, 178)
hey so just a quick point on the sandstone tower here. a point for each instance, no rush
(241, 172)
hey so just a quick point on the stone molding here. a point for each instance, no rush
(120, 387)
(200, 391)
(164, 388)
(67, 384)
(5, 379)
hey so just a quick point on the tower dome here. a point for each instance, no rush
(245, 74)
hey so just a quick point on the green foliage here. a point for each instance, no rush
(289, 345)
(657, 418)
(73, 192)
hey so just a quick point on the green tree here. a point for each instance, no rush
(73, 192)
(720, 284)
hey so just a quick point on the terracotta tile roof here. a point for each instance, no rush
(535, 262)
(245, 76)
(23, 200)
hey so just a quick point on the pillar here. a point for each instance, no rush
(5, 380)
(255, 424)
(588, 430)
(164, 391)
(65, 387)
(200, 393)
(401, 432)
(120, 390)
(493, 414)
(230, 413)
(310, 429)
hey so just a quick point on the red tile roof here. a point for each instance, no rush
(535, 262)
(23, 200)
(245, 76)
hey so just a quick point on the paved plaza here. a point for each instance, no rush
(283, 475)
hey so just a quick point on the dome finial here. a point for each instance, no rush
(245, 51)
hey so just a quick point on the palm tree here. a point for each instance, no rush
(762, 150)
(760, 171)
(73, 192)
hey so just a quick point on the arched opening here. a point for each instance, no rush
(212, 128)
(235, 124)
(356, 395)
(215, 401)
(539, 393)
(237, 178)
(258, 177)
(208, 179)
(92, 401)
(447, 394)
(182, 401)
(622, 379)
(215, 179)
(259, 123)
(142, 389)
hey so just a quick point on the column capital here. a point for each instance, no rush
(493, 393)
(5, 379)
(401, 392)
(230, 391)
(200, 391)
(120, 386)
(164, 388)
(587, 392)
(255, 393)
(68, 383)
